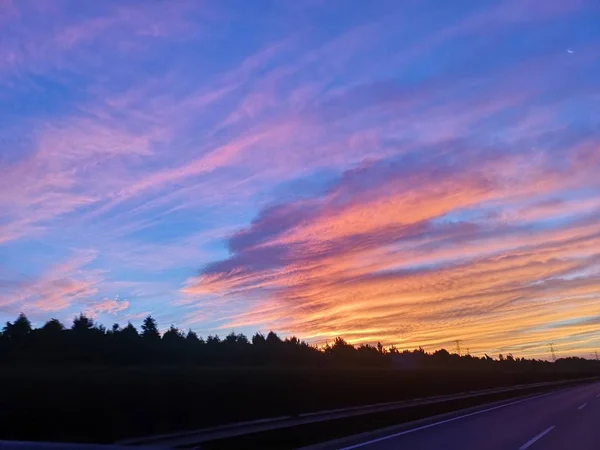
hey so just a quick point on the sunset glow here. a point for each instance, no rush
(413, 173)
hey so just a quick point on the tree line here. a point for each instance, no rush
(87, 342)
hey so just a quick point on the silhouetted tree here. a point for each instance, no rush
(129, 331)
(19, 329)
(273, 339)
(47, 343)
(53, 327)
(213, 339)
(82, 324)
(173, 335)
(86, 342)
(150, 329)
(259, 339)
(292, 341)
(235, 339)
(341, 351)
(192, 337)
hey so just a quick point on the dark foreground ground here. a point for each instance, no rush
(108, 404)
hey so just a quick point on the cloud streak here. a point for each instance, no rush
(390, 175)
(59, 287)
(379, 251)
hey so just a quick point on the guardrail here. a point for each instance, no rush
(24, 445)
(188, 438)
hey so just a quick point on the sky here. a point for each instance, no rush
(407, 172)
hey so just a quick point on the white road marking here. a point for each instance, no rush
(401, 433)
(582, 406)
(536, 438)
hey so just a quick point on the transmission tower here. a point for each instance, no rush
(552, 352)
(457, 343)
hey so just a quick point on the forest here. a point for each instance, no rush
(88, 343)
(140, 382)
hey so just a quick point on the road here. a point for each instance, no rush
(568, 419)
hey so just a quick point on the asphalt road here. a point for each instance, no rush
(568, 419)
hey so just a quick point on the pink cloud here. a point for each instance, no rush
(313, 266)
(65, 172)
(135, 142)
(119, 28)
(106, 306)
(300, 128)
(136, 316)
(59, 287)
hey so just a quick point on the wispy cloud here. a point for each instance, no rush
(62, 285)
(393, 174)
(377, 254)
(106, 306)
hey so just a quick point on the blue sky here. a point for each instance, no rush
(404, 172)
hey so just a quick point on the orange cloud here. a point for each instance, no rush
(374, 259)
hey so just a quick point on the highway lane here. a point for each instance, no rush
(568, 419)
